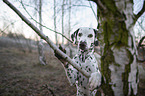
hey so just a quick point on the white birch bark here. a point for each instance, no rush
(119, 54)
(54, 15)
(69, 24)
(62, 20)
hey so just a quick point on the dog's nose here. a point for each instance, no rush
(82, 45)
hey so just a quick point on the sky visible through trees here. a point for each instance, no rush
(81, 16)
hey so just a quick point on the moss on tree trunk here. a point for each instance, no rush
(118, 61)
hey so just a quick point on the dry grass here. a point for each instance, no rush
(22, 75)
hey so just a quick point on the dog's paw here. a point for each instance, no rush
(57, 55)
(60, 57)
(95, 80)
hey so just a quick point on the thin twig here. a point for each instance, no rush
(42, 24)
(93, 10)
(80, 6)
(51, 91)
(100, 5)
(43, 36)
(8, 26)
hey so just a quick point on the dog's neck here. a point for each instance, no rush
(83, 55)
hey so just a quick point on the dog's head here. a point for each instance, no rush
(85, 37)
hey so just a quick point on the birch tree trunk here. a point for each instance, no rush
(62, 20)
(54, 15)
(69, 19)
(42, 59)
(119, 54)
(69, 24)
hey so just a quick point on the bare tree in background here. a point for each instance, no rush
(69, 29)
(119, 54)
(69, 19)
(62, 8)
(54, 15)
(42, 59)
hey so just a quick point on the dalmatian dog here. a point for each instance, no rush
(85, 38)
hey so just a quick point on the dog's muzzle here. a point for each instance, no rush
(83, 45)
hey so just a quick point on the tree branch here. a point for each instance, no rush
(141, 12)
(100, 5)
(29, 6)
(140, 61)
(93, 10)
(80, 6)
(44, 25)
(51, 91)
(3, 31)
(52, 45)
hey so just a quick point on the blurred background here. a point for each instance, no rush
(21, 71)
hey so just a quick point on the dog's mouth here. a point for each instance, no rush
(83, 46)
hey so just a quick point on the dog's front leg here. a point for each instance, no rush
(95, 80)
(71, 72)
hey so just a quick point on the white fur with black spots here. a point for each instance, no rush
(85, 38)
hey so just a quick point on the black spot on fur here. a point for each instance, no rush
(91, 57)
(83, 79)
(81, 83)
(95, 31)
(74, 35)
(75, 57)
(68, 74)
(71, 71)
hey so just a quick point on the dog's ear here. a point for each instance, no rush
(96, 43)
(74, 36)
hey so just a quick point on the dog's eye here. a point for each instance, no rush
(90, 35)
(80, 34)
